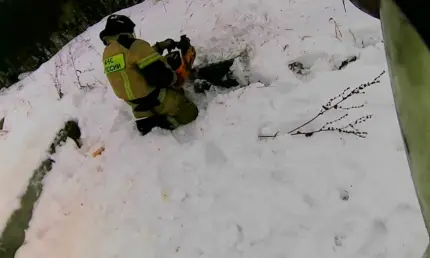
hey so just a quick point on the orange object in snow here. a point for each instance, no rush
(184, 71)
(98, 152)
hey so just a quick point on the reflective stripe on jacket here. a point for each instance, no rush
(121, 66)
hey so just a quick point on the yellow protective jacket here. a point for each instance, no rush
(124, 66)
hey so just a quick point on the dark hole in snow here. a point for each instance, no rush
(298, 68)
(338, 240)
(218, 74)
(344, 195)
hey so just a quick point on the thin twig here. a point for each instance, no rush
(304, 37)
(327, 128)
(350, 107)
(240, 94)
(336, 29)
(188, 7)
(308, 122)
(309, 134)
(72, 60)
(344, 96)
(55, 78)
(347, 62)
(353, 36)
(97, 80)
(165, 9)
(268, 136)
(327, 125)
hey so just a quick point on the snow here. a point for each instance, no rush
(214, 188)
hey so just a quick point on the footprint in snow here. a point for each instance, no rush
(309, 200)
(281, 176)
(304, 65)
(344, 195)
(214, 155)
(376, 237)
(339, 240)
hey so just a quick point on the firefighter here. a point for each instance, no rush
(141, 76)
(407, 43)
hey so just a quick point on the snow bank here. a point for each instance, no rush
(213, 188)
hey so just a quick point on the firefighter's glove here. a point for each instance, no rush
(170, 44)
(184, 44)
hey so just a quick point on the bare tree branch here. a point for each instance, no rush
(335, 103)
(327, 127)
(262, 136)
(78, 73)
(55, 78)
(337, 31)
(72, 61)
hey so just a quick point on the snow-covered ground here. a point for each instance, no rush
(213, 188)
